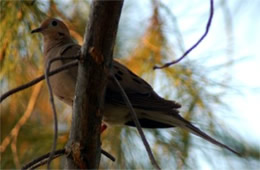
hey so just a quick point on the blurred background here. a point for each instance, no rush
(217, 84)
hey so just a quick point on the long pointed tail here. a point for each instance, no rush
(203, 135)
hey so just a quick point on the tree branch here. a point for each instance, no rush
(41, 160)
(38, 79)
(137, 123)
(196, 44)
(99, 37)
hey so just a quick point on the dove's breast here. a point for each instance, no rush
(63, 84)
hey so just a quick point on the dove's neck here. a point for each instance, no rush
(51, 43)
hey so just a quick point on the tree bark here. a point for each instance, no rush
(97, 55)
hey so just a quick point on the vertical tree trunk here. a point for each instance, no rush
(97, 52)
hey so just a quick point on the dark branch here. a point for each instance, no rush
(137, 123)
(44, 158)
(108, 155)
(97, 52)
(38, 79)
(196, 44)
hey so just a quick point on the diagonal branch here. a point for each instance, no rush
(196, 44)
(43, 159)
(137, 123)
(38, 79)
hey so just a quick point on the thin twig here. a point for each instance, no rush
(137, 123)
(52, 103)
(44, 158)
(108, 155)
(38, 79)
(196, 44)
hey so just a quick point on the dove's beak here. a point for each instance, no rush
(37, 30)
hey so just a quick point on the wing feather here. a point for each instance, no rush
(139, 92)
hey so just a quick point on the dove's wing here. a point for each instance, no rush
(140, 93)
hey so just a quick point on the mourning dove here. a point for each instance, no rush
(152, 110)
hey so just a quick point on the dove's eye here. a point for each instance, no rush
(54, 23)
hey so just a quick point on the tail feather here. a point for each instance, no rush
(174, 119)
(203, 135)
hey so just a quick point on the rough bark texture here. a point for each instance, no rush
(97, 52)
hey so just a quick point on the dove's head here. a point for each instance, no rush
(52, 28)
